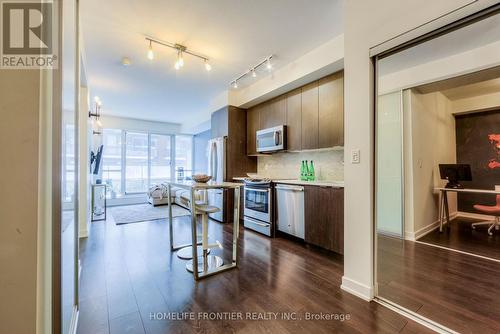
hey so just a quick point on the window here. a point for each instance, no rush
(112, 161)
(136, 162)
(183, 156)
(132, 161)
(160, 158)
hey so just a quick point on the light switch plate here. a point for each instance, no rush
(355, 156)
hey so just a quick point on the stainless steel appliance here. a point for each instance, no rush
(217, 169)
(271, 139)
(258, 205)
(290, 217)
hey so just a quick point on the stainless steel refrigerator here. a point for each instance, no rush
(217, 169)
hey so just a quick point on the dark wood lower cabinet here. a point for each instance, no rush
(324, 217)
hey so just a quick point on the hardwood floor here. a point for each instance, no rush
(457, 290)
(462, 237)
(129, 275)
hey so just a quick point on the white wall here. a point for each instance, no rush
(433, 142)
(25, 216)
(368, 24)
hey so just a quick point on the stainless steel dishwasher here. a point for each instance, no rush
(290, 218)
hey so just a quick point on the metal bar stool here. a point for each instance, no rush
(186, 252)
(206, 262)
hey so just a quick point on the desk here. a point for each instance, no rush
(193, 187)
(444, 212)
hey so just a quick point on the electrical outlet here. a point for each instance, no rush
(355, 156)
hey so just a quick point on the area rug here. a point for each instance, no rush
(144, 212)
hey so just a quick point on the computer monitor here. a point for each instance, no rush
(455, 173)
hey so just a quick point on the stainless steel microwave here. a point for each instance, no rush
(271, 139)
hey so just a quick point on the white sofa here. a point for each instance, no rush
(157, 195)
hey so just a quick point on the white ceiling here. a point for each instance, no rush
(234, 34)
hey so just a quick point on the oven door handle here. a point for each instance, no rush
(258, 190)
(254, 221)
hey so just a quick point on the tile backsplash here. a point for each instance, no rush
(328, 164)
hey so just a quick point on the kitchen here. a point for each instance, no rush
(288, 151)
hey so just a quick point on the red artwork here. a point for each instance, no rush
(495, 140)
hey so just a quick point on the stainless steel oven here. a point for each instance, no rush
(271, 139)
(258, 206)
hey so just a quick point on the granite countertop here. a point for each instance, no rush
(337, 184)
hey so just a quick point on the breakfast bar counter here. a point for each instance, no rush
(194, 208)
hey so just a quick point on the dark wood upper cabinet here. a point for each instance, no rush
(253, 124)
(294, 120)
(273, 113)
(324, 217)
(310, 116)
(331, 111)
(313, 114)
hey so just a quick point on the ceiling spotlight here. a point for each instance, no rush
(126, 61)
(235, 84)
(177, 65)
(208, 67)
(151, 54)
(269, 66)
(180, 60)
(254, 74)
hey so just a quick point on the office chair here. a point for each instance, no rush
(490, 210)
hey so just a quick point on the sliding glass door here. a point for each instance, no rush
(133, 161)
(184, 156)
(438, 105)
(136, 162)
(160, 160)
(112, 165)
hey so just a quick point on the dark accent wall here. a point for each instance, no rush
(478, 144)
(200, 152)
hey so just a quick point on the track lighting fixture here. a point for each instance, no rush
(181, 50)
(253, 70)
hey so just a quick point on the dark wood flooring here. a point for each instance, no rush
(129, 273)
(462, 237)
(457, 290)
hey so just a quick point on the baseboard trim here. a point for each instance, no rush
(414, 236)
(360, 290)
